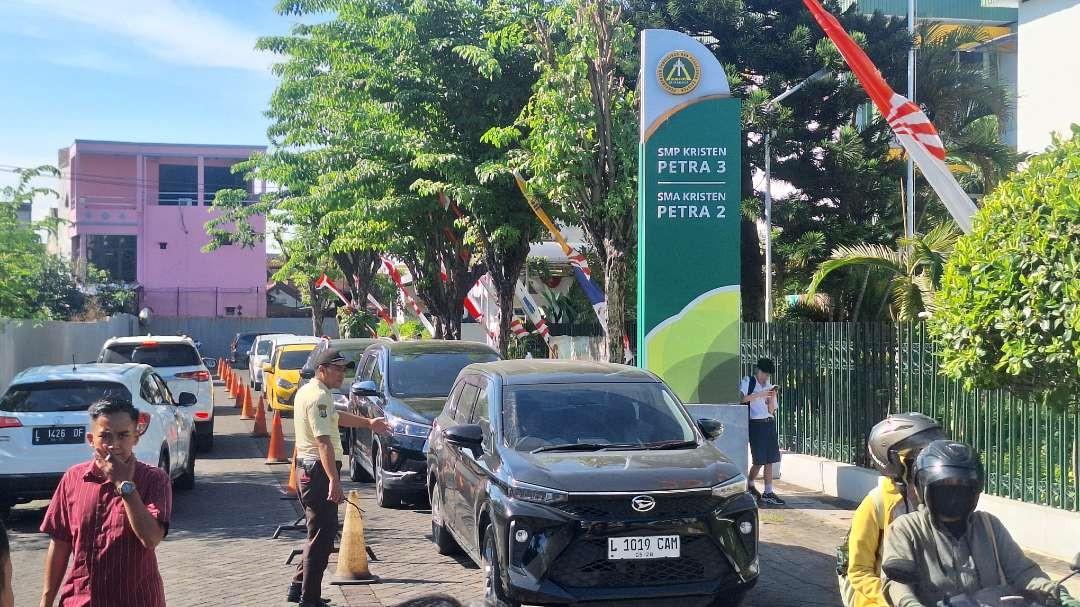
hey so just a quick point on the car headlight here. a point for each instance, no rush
(730, 487)
(407, 428)
(537, 494)
(285, 384)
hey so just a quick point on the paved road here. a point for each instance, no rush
(219, 550)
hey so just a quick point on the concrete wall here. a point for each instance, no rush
(1048, 64)
(1047, 530)
(26, 343)
(215, 334)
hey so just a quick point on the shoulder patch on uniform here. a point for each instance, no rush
(322, 410)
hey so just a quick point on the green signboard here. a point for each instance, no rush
(688, 220)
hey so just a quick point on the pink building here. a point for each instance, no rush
(138, 210)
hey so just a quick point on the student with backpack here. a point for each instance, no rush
(894, 443)
(759, 395)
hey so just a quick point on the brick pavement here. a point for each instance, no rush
(218, 551)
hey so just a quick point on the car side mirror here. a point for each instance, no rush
(903, 571)
(711, 428)
(1076, 563)
(364, 388)
(186, 399)
(307, 373)
(268, 368)
(211, 363)
(470, 436)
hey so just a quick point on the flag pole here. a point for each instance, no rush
(909, 182)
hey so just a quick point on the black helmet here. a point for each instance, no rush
(896, 433)
(945, 460)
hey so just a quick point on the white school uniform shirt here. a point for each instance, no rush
(759, 405)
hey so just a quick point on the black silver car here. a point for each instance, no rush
(407, 383)
(577, 482)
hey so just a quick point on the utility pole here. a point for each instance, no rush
(909, 181)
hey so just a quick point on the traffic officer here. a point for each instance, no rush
(319, 452)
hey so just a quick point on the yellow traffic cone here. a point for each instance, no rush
(352, 555)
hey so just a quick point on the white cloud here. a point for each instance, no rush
(89, 59)
(171, 30)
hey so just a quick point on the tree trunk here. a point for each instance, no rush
(615, 285)
(317, 310)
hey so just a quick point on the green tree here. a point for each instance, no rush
(576, 140)
(912, 272)
(1009, 306)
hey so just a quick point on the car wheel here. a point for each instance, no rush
(383, 496)
(494, 594)
(186, 481)
(444, 542)
(356, 469)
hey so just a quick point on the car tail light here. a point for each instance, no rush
(149, 344)
(143, 424)
(202, 415)
(10, 422)
(196, 375)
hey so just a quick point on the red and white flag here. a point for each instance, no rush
(383, 313)
(908, 122)
(324, 282)
(518, 328)
(396, 277)
(442, 271)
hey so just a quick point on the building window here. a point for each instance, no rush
(114, 254)
(178, 185)
(221, 178)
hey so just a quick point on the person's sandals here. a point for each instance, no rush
(772, 499)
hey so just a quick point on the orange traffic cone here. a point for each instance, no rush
(245, 400)
(293, 488)
(352, 555)
(238, 394)
(260, 419)
(276, 453)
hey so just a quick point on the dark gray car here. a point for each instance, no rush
(407, 383)
(577, 482)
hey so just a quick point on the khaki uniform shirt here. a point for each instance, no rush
(314, 415)
(948, 566)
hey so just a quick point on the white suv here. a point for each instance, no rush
(260, 353)
(44, 421)
(177, 360)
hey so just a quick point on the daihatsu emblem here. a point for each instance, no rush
(643, 503)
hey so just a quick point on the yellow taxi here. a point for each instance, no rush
(281, 375)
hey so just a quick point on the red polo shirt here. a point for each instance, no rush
(110, 566)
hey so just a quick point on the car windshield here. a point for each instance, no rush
(153, 354)
(243, 343)
(73, 395)
(641, 414)
(293, 359)
(420, 374)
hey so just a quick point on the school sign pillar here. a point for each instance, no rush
(688, 220)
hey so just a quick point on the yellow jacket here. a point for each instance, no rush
(865, 543)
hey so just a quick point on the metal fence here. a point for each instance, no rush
(838, 379)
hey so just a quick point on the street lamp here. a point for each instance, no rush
(816, 76)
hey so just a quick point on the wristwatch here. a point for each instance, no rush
(126, 488)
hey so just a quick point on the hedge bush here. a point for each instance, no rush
(1008, 312)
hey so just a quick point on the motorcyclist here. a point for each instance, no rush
(946, 549)
(893, 444)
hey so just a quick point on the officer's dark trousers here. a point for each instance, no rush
(322, 528)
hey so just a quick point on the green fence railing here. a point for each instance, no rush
(838, 379)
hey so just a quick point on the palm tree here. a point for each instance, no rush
(913, 269)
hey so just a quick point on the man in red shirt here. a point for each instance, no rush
(109, 514)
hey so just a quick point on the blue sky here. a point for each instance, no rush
(131, 70)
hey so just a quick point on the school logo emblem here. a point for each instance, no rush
(678, 72)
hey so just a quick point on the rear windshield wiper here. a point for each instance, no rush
(671, 444)
(586, 447)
